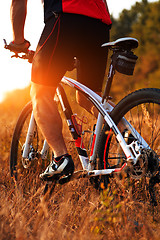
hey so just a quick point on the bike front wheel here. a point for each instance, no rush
(26, 171)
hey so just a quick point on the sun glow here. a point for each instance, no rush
(16, 73)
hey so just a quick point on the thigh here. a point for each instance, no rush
(91, 71)
(53, 55)
(39, 90)
(93, 58)
(64, 38)
(42, 97)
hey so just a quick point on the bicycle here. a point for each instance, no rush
(124, 138)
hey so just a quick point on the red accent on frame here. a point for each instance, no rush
(94, 138)
(104, 160)
(78, 142)
(120, 169)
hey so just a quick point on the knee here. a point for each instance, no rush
(35, 93)
(41, 93)
(41, 96)
(80, 98)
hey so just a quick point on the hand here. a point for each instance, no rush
(18, 48)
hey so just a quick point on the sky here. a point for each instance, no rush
(15, 73)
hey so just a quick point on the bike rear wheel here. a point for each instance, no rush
(142, 110)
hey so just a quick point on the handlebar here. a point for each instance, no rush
(27, 54)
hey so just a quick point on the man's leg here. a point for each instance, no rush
(49, 121)
(47, 117)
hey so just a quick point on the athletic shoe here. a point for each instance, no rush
(65, 166)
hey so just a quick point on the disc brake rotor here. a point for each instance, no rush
(26, 162)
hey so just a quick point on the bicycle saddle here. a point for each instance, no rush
(125, 43)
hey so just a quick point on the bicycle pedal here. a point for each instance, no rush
(75, 175)
(52, 179)
(80, 174)
(64, 179)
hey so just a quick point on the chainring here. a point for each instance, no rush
(147, 165)
(139, 170)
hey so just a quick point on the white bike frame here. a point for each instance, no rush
(131, 152)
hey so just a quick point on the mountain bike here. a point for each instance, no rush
(124, 138)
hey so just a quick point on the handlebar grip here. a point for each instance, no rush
(28, 54)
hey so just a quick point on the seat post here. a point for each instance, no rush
(109, 82)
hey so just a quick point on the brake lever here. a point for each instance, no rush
(7, 47)
(5, 44)
(29, 54)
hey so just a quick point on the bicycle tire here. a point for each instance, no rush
(149, 99)
(25, 175)
(27, 178)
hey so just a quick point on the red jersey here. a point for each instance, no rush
(90, 8)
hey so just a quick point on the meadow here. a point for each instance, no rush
(75, 210)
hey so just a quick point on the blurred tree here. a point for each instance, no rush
(142, 21)
(122, 26)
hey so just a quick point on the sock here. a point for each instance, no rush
(57, 159)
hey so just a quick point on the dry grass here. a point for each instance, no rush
(75, 210)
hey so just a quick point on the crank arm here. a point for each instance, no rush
(89, 174)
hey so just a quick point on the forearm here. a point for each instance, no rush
(18, 13)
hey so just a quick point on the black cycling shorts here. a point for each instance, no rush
(67, 36)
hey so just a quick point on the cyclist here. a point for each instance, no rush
(73, 28)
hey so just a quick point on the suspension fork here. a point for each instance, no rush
(29, 137)
(28, 141)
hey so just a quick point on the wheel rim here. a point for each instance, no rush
(144, 117)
